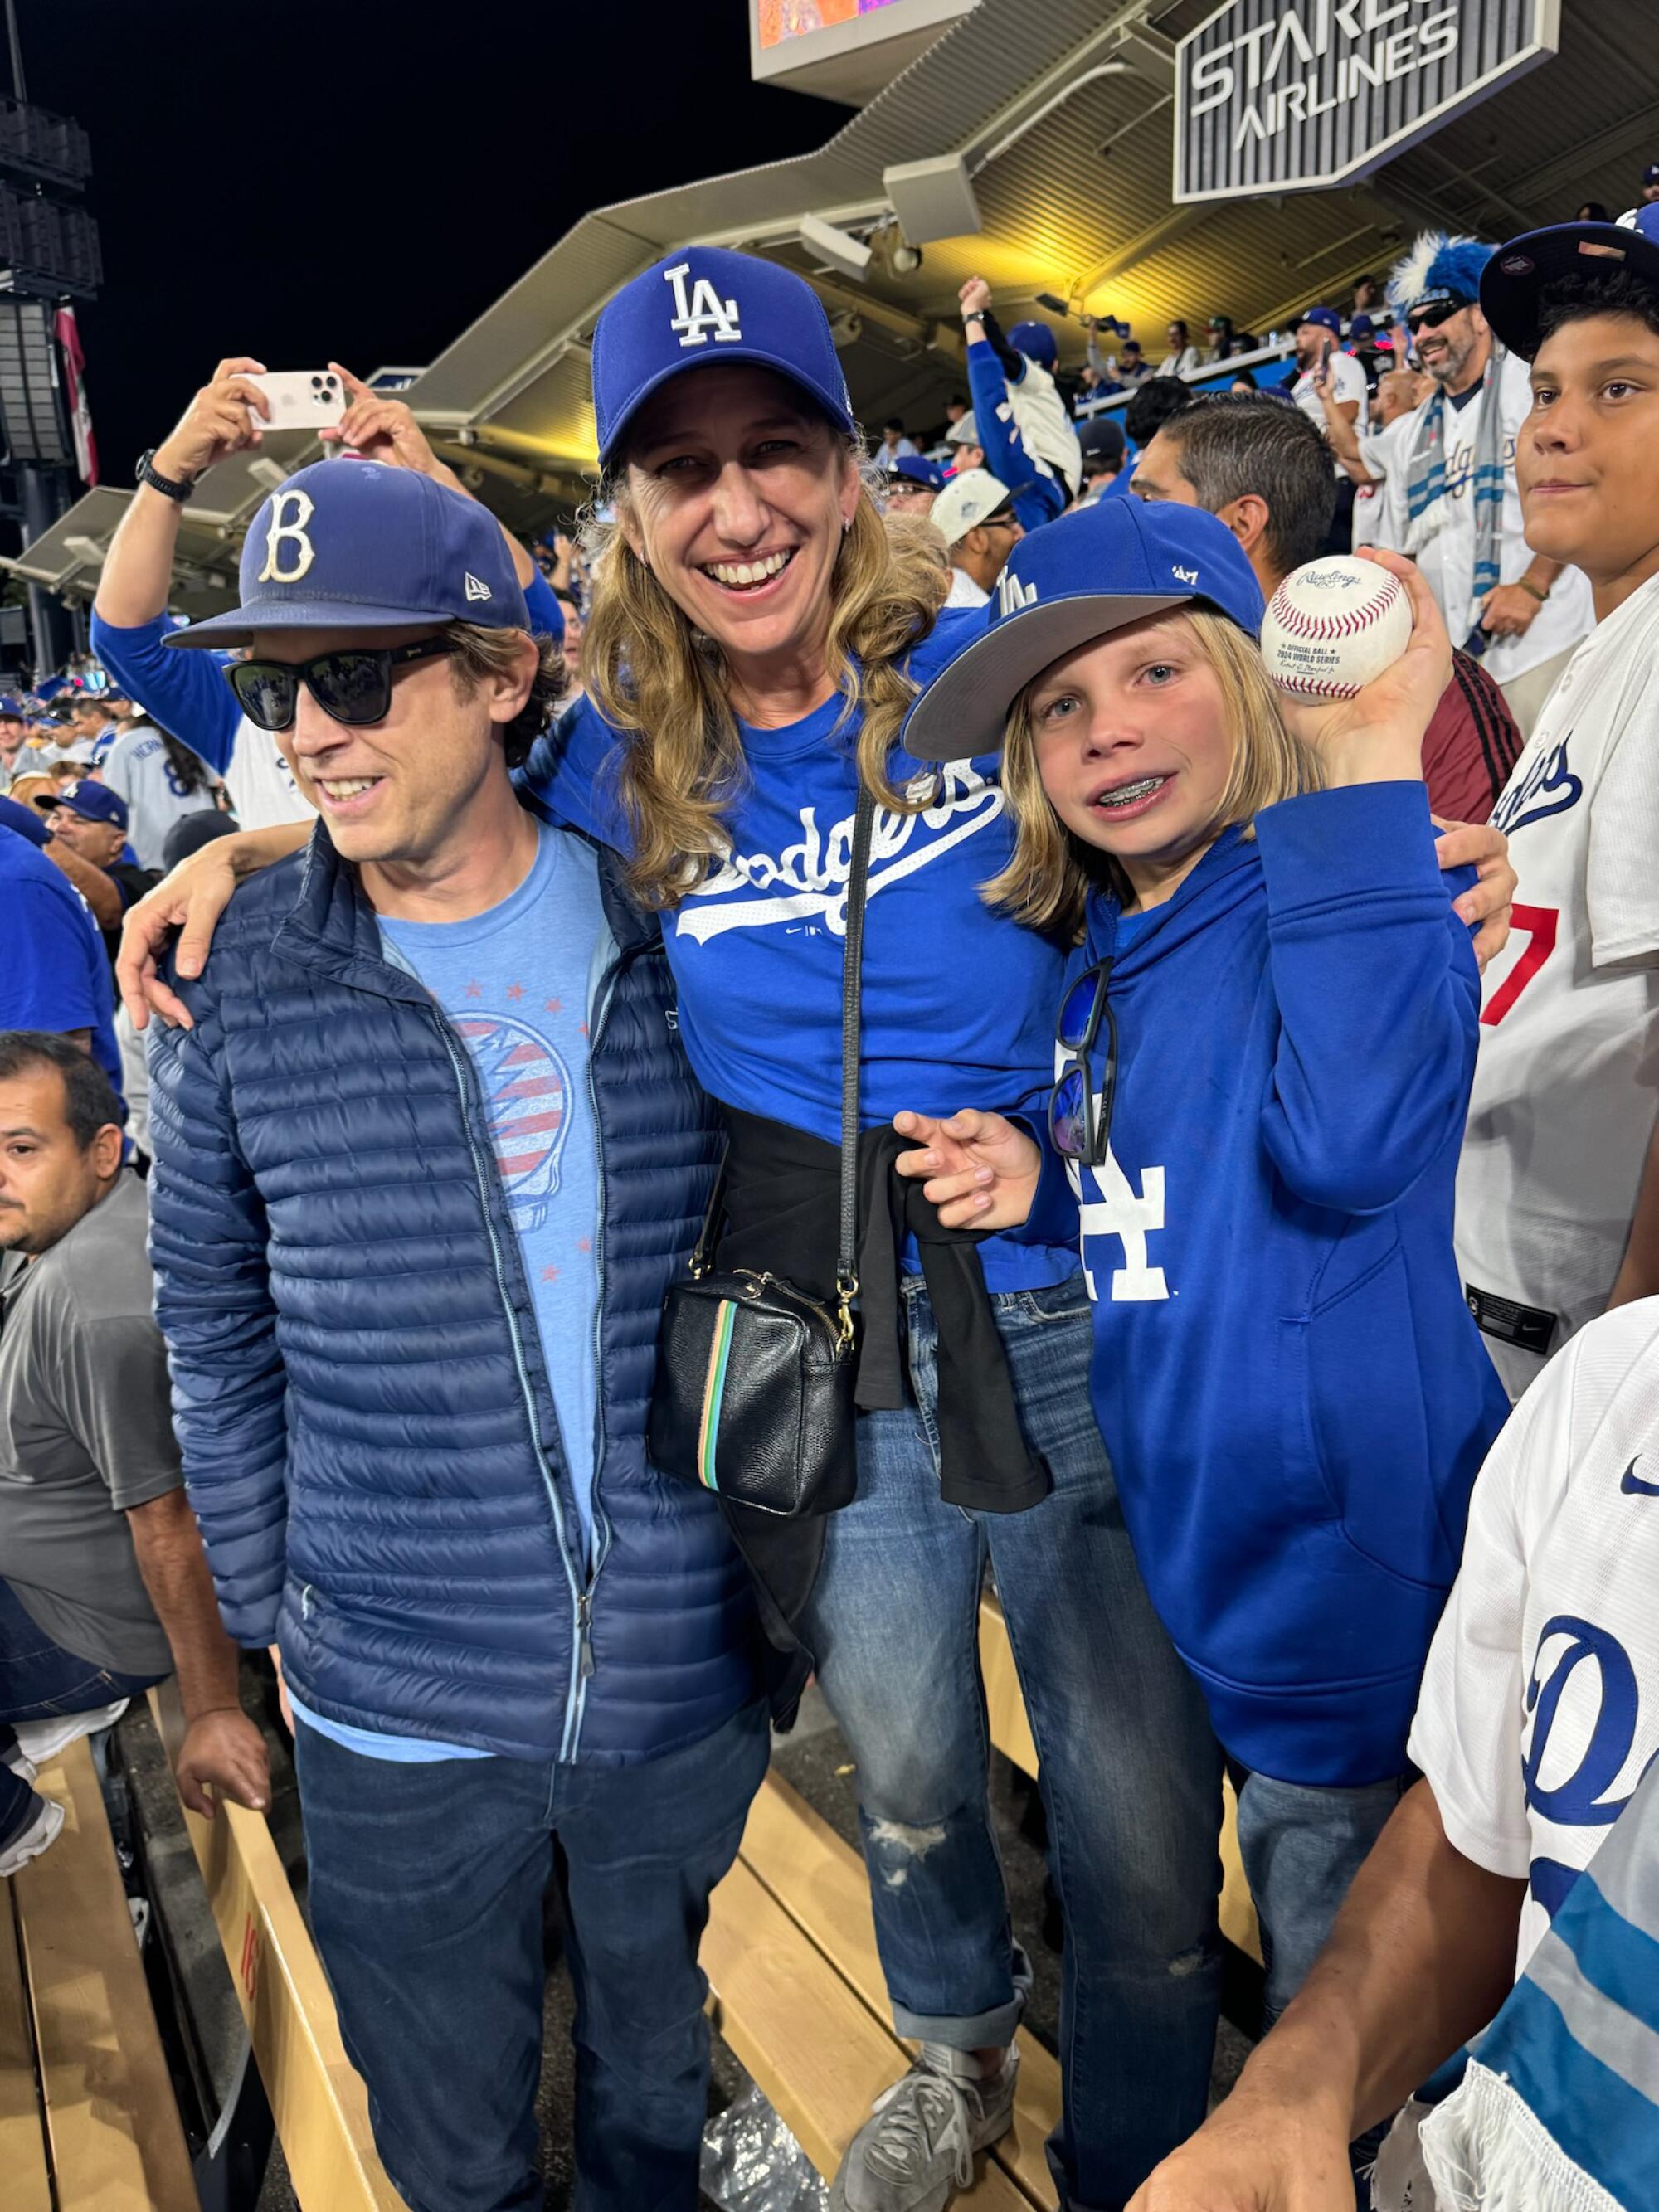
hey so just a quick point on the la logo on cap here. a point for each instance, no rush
(1013, 595)
(705, 310)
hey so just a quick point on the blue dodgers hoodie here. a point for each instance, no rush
(1295, 1397)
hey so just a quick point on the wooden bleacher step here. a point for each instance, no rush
(112, 2137)
(317, 2097)
(27, 2185)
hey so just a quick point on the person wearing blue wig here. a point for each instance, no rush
(1450, 499)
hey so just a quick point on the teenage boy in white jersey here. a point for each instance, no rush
(1556, 1198)
(1540, 1706)
(1450, 498)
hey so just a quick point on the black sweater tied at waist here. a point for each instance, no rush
(781, 1216)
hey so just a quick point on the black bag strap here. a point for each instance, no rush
(847, 1277)
(846, 1282)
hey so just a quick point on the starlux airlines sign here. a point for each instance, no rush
(1295, 95)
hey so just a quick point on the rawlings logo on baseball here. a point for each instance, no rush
(1333, 625)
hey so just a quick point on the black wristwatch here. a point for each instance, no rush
(165, 485)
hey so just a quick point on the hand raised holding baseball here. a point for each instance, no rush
(1369, 727)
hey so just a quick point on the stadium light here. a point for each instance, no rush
(845, 253)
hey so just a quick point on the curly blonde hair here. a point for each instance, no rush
(1050, 872)
(665, 686)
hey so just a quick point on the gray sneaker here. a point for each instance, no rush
(916, 2150)
(42, 1830)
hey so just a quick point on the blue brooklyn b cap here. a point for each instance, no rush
(354, 545)
(1092, 571)
(708, 304)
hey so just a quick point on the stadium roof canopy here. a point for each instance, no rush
(1061, 111)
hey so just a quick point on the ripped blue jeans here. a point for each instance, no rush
(1130, 1771)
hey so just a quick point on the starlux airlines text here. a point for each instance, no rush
(1393, 47)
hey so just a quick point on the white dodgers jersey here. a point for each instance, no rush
(1566, 1083)
(1539, 1707)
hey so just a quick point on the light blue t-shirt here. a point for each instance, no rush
(517, 984)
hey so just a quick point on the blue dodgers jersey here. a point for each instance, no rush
(514, 983)
(54, 972)
(958, 1001)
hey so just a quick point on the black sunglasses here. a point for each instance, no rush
(1079, 1107)
(353, 685)
(1430, 318)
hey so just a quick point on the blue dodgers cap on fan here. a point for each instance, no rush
(708, 304)
(1327, 318)
(916, 469)
(1513, 282)
(1067, 583)
(355, 544)
(1037, 341)
(93, 802)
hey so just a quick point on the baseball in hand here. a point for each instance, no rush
(1332, 625)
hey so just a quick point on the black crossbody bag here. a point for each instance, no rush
(754, 1392)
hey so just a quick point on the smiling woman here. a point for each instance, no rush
(753, 649)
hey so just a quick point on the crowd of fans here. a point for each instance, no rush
(331, 1263)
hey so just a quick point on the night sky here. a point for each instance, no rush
(303, 182)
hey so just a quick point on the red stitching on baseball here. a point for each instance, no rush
(1296, 621)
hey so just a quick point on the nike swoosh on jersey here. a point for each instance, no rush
(1632, 1485)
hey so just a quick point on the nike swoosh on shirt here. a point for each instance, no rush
(1632, 1485)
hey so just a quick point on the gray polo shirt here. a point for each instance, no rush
(85, 1433)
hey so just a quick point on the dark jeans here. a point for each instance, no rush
(426, 1901)
(41, 1681)
(1130, 1772)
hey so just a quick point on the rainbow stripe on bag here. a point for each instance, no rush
(714, 1389)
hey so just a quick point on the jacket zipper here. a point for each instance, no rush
(581, 1654)
(601, 1525)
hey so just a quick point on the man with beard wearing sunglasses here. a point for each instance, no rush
(1450, 498)
(426, 1158)
(129, 622)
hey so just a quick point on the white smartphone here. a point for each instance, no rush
(300, 399)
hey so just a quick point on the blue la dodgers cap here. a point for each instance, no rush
(93, 802)
(1037, 341)
(1327, 318)
(708, 304)
(1513, 282)
(356, 544)
(1094, 570)
(916, 469)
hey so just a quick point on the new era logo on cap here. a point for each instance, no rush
(476, 588)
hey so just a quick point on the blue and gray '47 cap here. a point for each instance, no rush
(356, 544)
(1097, 570)
(708, 304)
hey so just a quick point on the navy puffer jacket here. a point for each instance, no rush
(368, 1432)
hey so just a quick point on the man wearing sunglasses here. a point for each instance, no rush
(426, 1158)
(1450, 498)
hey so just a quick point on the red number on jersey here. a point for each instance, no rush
(1538, 924)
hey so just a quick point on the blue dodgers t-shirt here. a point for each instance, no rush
(958, 1001)
(54, 972)
(516, 984)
